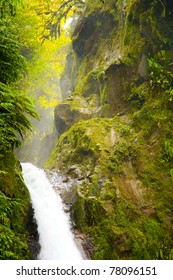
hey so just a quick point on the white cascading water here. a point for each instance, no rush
(55, 236)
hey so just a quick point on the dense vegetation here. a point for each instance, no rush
(116, 129)
(15, 107)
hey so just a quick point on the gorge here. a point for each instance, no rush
(112, 135)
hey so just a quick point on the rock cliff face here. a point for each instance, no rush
(115, 128)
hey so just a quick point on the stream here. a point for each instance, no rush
(55, 236)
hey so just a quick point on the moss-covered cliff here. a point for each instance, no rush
(116, 128)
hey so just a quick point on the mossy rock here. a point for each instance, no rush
(121, 193)
(88, 141)
(125, 199)
(74, 109)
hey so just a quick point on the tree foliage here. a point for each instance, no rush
(8, 7)
(54, 13)
(14, 105)
(12, 62)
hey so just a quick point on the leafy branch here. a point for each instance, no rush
(54, 16)
(161, 75)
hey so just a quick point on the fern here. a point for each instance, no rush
(15, 106)
(15, 109)
(12, 63)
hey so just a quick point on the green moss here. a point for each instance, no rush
(121, 154)
(88, 83)
(115, 155)
(104, 237)
(140, 35)
(82, 144)
(125, 200)
(132, 36)
(78, 213)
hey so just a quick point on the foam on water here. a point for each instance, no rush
(55, 237)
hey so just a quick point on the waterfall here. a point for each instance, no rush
(55, 237)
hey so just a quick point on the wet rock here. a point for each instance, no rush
(63, 118)
(84, 243)
(143, 67)
(89, 30)
(73, 109)
(33, 236)
(65, 180)
(69, 76)
(80, 178)
(75, 172)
